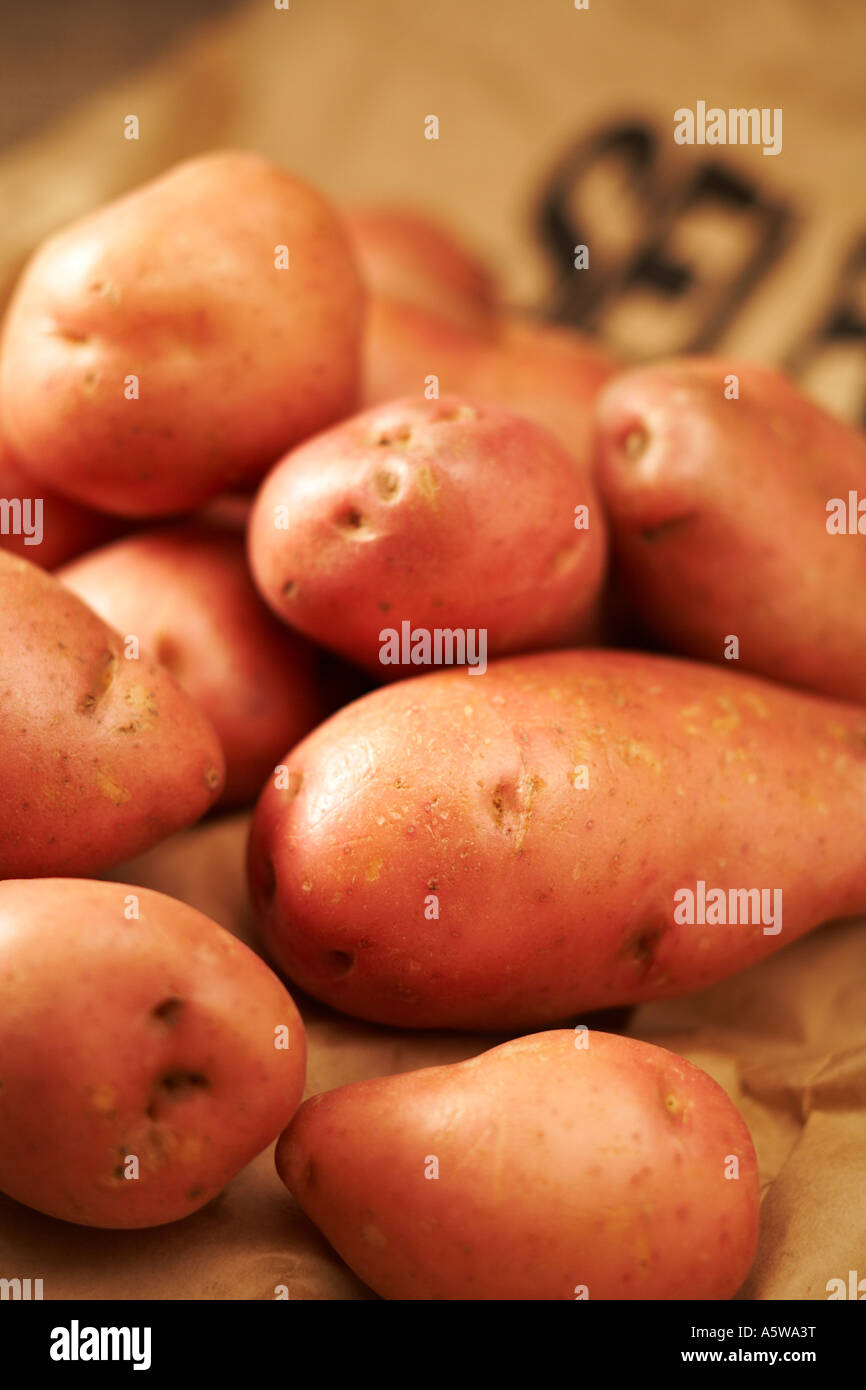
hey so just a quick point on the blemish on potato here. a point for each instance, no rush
(168, 1012)
(293, 786)
(386, 483)
(634, 442)
(338, 964)
(140, 700)
(643, 946)
(103, 1098)
(676, 1107)
(351, 520)
(464, 411)
(633, 752)
(512, 806)
(70, 335)
(427, 484)
(170, 1089)
(400, 434)
(113, 790)
(181, 1083)
(103, 681)
(160, 1142)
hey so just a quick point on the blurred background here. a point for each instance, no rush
(55, 53)
(555, 129)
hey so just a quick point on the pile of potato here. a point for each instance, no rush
(505, 846)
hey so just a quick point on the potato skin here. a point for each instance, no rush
(186, 593)
(553, 896)
(559, 1167)
(150, 1036)
(177, 284)
(102, 757)
(718, 512)
(417, 511)
(549, 374)
(411, 257)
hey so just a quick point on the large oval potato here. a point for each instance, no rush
(166, 348)
(186, 594)
(411, 257)
(501, 851)
(557, 1166)
(41, 526)
(147, 1055)
(549, 374)
(101, 756)
(719, 508)
(416, 513)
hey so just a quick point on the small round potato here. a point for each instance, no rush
(147, 1055)
(441, 515)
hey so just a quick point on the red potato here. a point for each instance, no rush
(176, 292)
(42, 526)
(411, 257)
(101, 756)
(553, 1167)
(442, 514)
(148, 1056)
(551, 375)
(501, 852)
(719, 513)
(185, 593)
